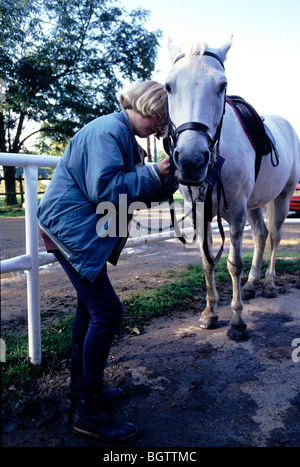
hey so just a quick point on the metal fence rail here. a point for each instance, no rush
(31, 261)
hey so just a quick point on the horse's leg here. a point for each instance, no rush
(209, 317)
(237, 327)
(277, 211)
(259, 233)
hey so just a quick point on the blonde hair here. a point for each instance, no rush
(147, 97)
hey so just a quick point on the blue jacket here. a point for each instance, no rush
(98, 166)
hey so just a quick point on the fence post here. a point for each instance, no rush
(32, 245)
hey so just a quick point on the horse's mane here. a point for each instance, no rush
(195, 49)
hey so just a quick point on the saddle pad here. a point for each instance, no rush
(257, 132)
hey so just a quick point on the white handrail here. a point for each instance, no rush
(25, 160)
(31, 261)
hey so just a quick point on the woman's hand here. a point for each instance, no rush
(164, 167)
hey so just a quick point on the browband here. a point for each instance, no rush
(210, 54)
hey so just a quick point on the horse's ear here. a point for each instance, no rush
(174, 50)
(224, 50)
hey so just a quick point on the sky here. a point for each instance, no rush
(263, 64)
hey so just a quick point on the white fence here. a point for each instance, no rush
(32, 260)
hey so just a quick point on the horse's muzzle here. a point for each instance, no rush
(191, 170)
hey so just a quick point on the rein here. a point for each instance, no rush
(205, 187)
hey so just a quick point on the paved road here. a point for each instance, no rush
(12, 230)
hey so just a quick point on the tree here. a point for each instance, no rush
(63, 63)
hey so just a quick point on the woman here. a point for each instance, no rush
(100, 165)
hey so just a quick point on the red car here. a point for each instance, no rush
(295, 199)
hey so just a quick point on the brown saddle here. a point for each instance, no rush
(258, 133)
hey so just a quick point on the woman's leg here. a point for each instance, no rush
(106, 313)
(79, 330)
(98, 316)
(93, 342)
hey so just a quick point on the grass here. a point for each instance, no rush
(55, 340)
(178, 197)
(140, 308)
(12, 211)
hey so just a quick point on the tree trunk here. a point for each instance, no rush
(10, 186)
(9, 171)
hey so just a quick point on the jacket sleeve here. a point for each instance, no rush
(101, 170)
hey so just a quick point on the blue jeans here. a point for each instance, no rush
(98, 316)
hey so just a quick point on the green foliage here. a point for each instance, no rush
(288, 267)
(63, 63)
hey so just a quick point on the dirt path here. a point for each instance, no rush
(185, 387)
(137, 268)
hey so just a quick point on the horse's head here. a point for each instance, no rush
(196, 88)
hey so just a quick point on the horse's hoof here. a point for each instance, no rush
(238, 332)
(269, 292)
(208, 323)
(248, 294)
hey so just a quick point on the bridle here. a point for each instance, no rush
(213, 172)
(171, 139)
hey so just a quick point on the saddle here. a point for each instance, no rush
(257, 132)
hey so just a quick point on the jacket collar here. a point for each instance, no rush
(123, 117)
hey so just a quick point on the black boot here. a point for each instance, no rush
(110, 396)
(92, 420)
(73, 390)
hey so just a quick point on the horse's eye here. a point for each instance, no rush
(168, 88)
(222, 87)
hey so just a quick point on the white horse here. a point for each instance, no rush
(196, 86)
